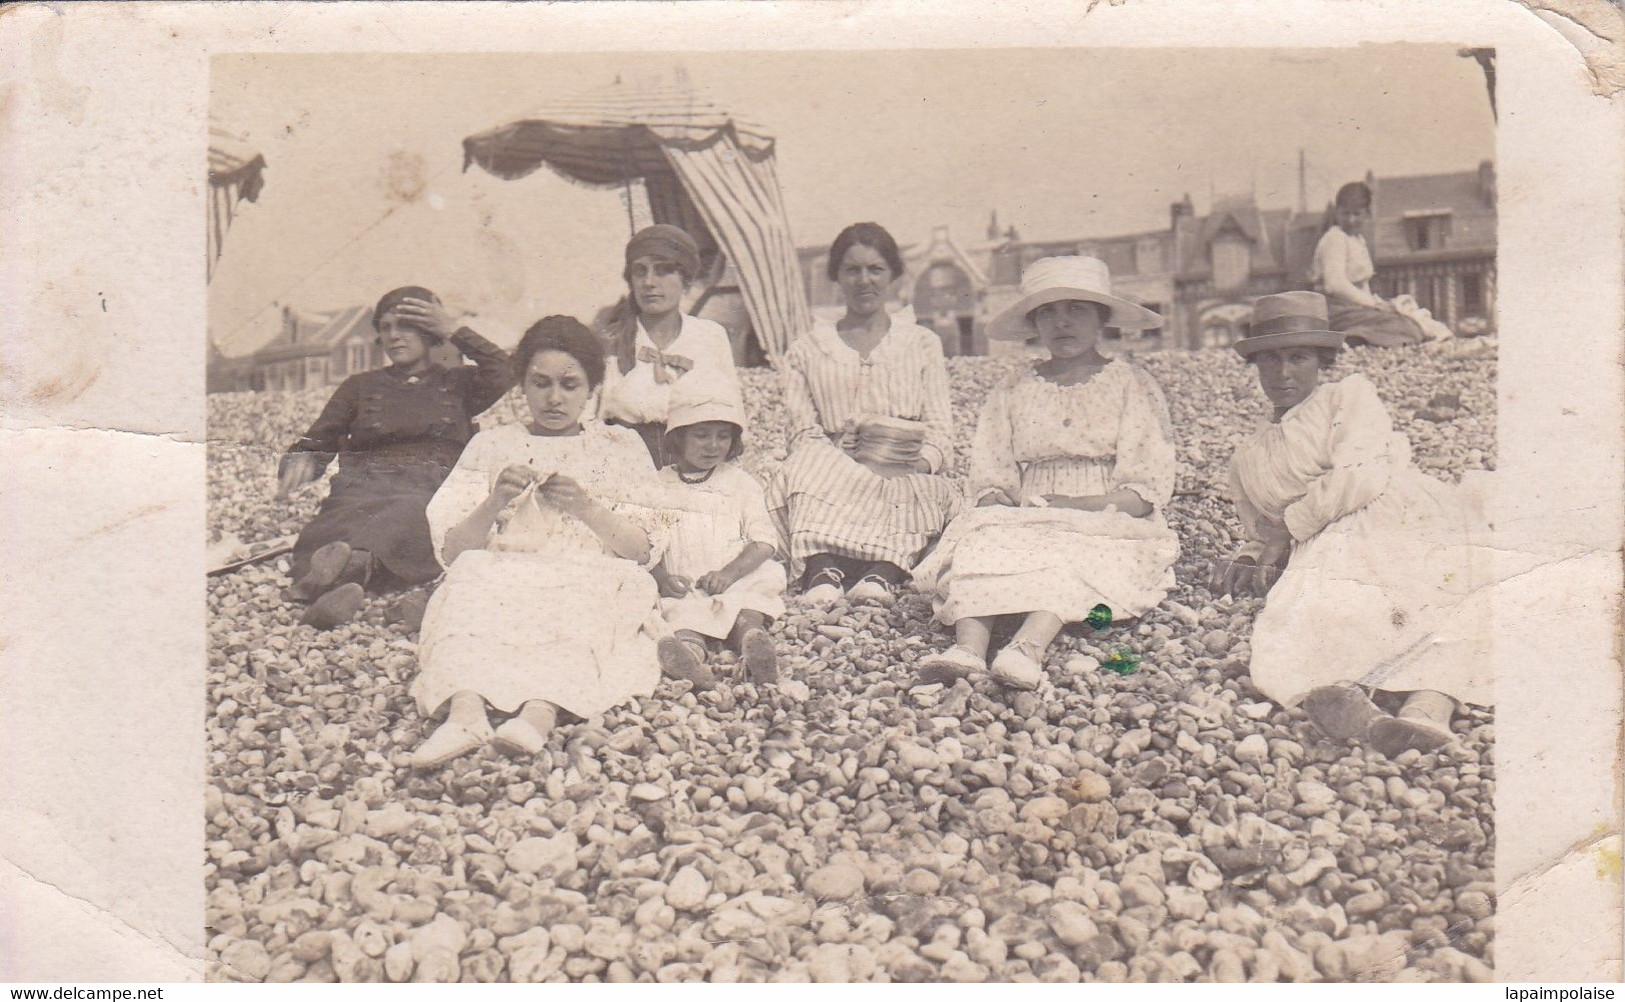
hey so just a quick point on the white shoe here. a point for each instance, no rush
(516, 738)
(450, 740)
(1015, 668)
(950, 666)
(870, 589)
(823, 596)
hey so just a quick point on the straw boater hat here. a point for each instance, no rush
(1289, 320)
(1052, 279)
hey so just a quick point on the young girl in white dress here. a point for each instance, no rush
(718, 579)
(547, 603)
(656, 346)
(1071, 467)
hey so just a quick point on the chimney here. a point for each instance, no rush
(1486, 182)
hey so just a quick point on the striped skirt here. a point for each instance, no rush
(824, 501)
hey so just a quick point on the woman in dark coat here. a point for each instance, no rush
(398, 431)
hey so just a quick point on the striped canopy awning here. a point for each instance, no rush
(236, 173)
(705, 169)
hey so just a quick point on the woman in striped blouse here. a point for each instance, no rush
(861, 495)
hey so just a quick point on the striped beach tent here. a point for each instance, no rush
(706, 169)
(236, 173)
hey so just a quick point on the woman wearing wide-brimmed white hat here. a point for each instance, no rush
(1071, 466)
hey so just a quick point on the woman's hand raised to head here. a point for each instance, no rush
(427, 316)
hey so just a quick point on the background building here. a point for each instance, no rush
(1432, 237)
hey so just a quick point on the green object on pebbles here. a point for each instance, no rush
(1123, 661)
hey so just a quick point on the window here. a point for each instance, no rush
(942, 276)
(1472, 296)
(1148, 257)
(359, 357)
(1426, 230)
(1232, 261)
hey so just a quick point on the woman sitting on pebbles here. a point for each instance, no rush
(547, 604)
(1379, 590)
(1071, 466)
(718, 579)
(397, 431)
(870, 431)
(1343, 269)
(655, 345)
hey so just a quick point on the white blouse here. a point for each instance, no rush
(1110, 432)
(610, 463)
(1328, 457)
(1340, 255)
(638, 396)
(828, 383)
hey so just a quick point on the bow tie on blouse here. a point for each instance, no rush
(663, 363)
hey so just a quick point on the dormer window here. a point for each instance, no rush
(1232, 256)
(1426, 230)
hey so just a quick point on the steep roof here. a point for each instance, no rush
(1468, 196)
(306, 334)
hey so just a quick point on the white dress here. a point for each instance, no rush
(720, 517)
(1386, 582)
(700, 350)
(544, 611)
(1034, 438)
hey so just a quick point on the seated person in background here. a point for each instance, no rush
(1343, 270)
(656, 346)
(396, 431)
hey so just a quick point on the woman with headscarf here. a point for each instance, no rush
(396, 431)
(1342, 269)
(862, 493)
(1382, 569)
(654, 343)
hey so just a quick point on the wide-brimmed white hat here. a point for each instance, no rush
(696, 398)
(1053, 279)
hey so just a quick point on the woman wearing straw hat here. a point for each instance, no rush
(861, 495)
(654, 343)
(1381, 587)
(1071, 466)
(397, 432)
